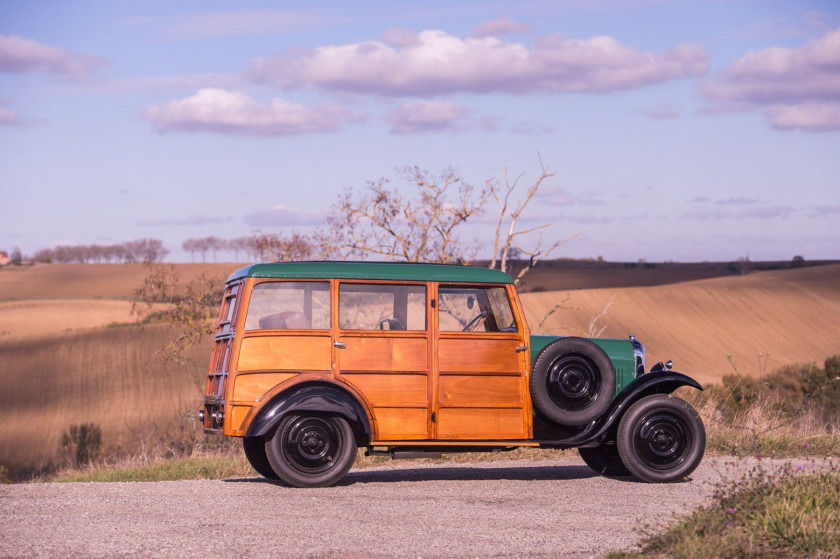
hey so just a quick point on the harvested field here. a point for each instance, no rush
(792, 314)
(94, 281)
(48, 317)
(112, 377)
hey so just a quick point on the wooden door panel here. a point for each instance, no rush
(381, 354)
(285, 353)
(479, 391)
(395, 424)
(479, 356)
(481, 423)
(391, 389)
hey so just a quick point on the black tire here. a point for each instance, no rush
(255, 453)
(661, 439)
(604, 459)
(572, 381)
(311, 450)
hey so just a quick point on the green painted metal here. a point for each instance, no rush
(619, 351)
(400, 271)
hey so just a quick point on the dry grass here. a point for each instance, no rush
(792, 314)
(112, 377)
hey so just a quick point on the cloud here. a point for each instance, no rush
(707, 214)
(233, 112)
(559, 196)
(795, 88)
(8, 118)
(440, 63)
(280, 215)
(738, 201)
(501, 26)
(426, 116)
(663, 111)
(232, 23)
(19, 55)
(825, 210)
(191, 220)
(766, 212)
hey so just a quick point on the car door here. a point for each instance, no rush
(383, 352)
(481, 391)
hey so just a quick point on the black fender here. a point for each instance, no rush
(312, 397)
(658, 382)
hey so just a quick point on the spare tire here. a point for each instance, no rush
(572, 381)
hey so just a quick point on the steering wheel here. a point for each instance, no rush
(476, 322)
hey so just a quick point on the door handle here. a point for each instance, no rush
(521, 348)
(340, 345)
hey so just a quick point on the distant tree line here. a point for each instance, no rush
(140, 250)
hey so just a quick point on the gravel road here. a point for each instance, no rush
(522, 508)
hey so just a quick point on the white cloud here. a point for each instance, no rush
(501, 26)
(173, 82)
(426, 116)
(439, 63)
(738, 201)
(232, 112)
(280, 215)
(19, 55)
(796, 88)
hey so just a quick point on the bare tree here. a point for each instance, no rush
(275, 247)
(505, 241)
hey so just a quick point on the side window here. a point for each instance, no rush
(475, 309)
(289, 305)
(364, 306)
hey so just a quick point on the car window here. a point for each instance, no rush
(378, 306)
(475, 309)
(283, 305)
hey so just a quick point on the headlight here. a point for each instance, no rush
(639, 355)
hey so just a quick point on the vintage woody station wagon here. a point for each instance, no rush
(313, 360)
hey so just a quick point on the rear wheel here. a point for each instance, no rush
(661, 439)
(311, 450)
(255, 453)
(604, 459)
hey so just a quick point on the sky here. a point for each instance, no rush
(678, 130)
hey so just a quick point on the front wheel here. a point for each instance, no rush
(255, 453)
(661, 439)
(604, 459)
(311, 450)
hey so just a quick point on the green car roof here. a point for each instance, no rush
(372, 270)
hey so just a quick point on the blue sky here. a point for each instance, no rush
(678, 130)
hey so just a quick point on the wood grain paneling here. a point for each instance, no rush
(289, 353)
(391, 389)
(479, 391)
(250, 387)
(401, 423)
(480, 423)
(478, 356)
(374, 353)
(237, 416)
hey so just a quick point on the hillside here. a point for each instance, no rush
(792, 314)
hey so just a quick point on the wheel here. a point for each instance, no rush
(661, 439)
(604, 459)
(255, 453)
(572, 381)
(310, 450)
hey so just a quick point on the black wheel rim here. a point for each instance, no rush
(573, 382)
(662, 440)
(311, 445)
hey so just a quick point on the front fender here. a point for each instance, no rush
(319, 398)
(659, 382)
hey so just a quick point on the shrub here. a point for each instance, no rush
(81, 443)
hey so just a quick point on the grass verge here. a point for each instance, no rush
(785, 514)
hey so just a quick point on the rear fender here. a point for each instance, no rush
(312, 397)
